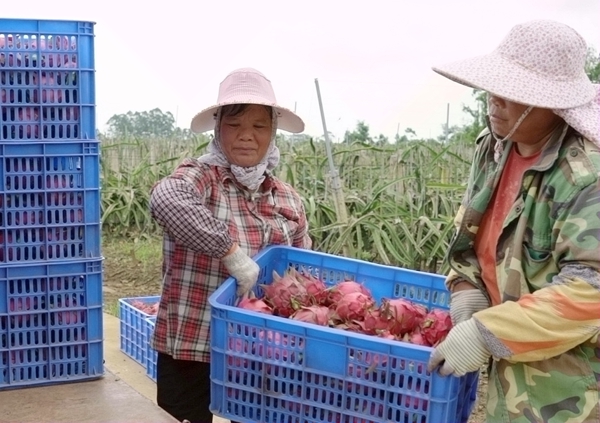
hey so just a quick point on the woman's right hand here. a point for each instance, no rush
(465, 302)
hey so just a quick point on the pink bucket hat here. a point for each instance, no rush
(247, 86)
(541, 64)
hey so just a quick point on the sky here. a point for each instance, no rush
(372, 59)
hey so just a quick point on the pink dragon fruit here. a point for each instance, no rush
(316, 314)
(435, 326)
(315, 287)
(416, 337)
(405, 315)
(278, 346)
(415, 403)
(347, 287)
(353, 306)
(386, 334)
(285, 294)
(375, 322)
(255, 304)
(236, 347)
(349, 325)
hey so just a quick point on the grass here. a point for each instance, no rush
(132, 268)
(112, 308)
(148, 249)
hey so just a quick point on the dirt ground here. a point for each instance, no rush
(132, 268)
(478, 413)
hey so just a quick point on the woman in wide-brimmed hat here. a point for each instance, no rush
(525, 259)
(217, 211)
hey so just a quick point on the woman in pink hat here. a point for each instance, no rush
(525, 258)
(216, 212)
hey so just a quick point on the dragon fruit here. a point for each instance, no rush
(349, 325)
(236, 347)
(301, 296)
(405, 315)
(435, 326)
(375, 322)
(386, 334)
(354, 306)
(278, 346)
(416, 337)
(255, 304)
(316, 314)
(347, 287)
(315, 288)
(285, 294)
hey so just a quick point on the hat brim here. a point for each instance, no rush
(504, 78)
(585, 119)
(286, 119)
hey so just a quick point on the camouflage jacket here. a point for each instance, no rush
(544, 336)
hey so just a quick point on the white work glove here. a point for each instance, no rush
(466, 302)
(463, 351)
(243, 269)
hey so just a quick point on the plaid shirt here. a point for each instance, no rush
(203, 211)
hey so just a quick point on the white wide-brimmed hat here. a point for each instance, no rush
(539, 63)
(247, 86)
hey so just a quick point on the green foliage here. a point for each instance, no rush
(592, 65)
(401, 198)
(148, 124)
(478, 114)
(409, 134)
(129, 170)
(360, 134)
(470, 131)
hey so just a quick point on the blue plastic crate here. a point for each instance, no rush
(133, 328)
(49, 202)
(151, 353)
(50, 323)
(272, 369)
(47, 81)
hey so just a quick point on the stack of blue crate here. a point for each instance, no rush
(50, 255)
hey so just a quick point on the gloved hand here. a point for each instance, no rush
(243, 269)
(466, 302)
(463, 351)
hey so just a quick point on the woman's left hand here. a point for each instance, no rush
(243, 269)
(465, 302)
(463, 351)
